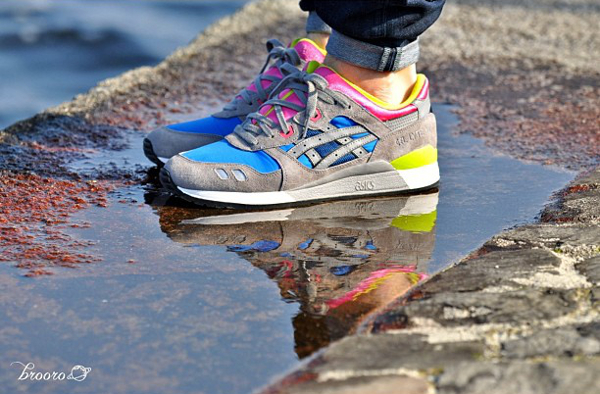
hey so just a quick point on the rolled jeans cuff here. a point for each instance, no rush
(314, 24)
(371, 56)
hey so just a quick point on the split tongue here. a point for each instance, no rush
(307, 50)
(290, 96)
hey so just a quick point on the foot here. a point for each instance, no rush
(165, 142)
(320, 137)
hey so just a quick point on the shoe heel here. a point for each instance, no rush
(421, 177)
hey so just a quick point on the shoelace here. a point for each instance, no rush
(282, 55)
(309, 88)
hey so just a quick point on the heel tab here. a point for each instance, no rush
(421, 100)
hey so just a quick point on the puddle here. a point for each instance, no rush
(203, 300)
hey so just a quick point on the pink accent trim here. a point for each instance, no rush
(265, 84)
(308, 52)
(317, 116)
(424, 91)
(289, 133)
(287, 112)
(364, 285)
(337, 83)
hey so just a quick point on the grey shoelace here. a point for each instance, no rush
(310, 88)
(282, 56)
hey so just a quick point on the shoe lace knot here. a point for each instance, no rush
(282, 56)
(310, 88)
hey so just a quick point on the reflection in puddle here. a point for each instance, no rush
(340, 261)
(189, 300)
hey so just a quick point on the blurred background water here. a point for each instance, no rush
(51, 50)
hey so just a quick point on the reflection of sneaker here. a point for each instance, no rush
(319, 137)
(165, 142)
(337, 235)
(339, 260)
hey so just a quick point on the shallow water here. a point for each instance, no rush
(204, 300)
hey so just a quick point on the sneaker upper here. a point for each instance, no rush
(281, 61)
(317, 128)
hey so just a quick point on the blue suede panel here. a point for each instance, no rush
(356, 136)
(223, 152)
(287, 147)
(209, 125)
(258, 246)
(304, 160)
(370, 146)
(342, 270)
(341, 121)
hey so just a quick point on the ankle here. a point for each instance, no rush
(320, 39)
(392, 87)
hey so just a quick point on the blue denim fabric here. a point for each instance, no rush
(376, 34)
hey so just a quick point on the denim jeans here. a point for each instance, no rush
(375, 34)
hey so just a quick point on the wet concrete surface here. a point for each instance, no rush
(165, 288)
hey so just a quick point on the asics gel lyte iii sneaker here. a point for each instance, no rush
(319, 137)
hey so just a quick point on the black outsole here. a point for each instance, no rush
(149, 152)
(167, 182)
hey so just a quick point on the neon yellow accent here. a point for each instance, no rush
(416, 223)
(288, 94)
(376, 283)
(415, 159)
(421, 78)
(312, 66)
(297, 40)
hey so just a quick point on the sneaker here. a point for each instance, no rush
(165, 142)
(320, 137)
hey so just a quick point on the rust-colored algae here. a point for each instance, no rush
(34, 211)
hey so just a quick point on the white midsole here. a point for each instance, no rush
(416, 178)
(415, 205)
(258, 198)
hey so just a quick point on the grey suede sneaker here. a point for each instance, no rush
(319, 137)
(165, 142)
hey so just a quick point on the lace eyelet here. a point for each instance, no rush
(318, 115)
(289, 133)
